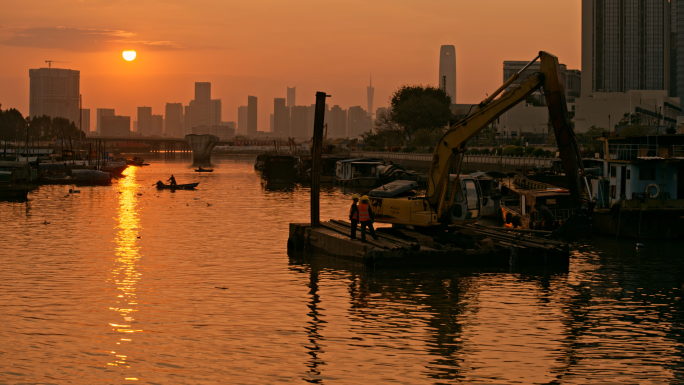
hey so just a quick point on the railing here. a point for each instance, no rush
(526, 161)
(631, 151)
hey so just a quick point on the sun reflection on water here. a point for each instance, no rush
(125, 274)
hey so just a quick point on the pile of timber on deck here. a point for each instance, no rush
(508, 237)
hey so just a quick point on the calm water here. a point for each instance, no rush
(121, 287)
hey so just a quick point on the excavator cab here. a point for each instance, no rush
(463, 199)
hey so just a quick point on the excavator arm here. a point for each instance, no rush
(452, 143)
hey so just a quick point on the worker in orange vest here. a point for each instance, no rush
(354, 215)
(366, 218)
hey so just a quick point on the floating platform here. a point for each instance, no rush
(457, 247)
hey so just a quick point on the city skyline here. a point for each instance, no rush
(169, 61)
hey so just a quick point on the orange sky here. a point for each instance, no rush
(259, 47)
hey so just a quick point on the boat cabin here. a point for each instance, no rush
(641, 167)
(357, 172)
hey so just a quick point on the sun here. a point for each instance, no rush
(129, 55)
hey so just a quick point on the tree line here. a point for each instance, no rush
(13, 127)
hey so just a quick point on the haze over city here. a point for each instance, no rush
(260, 48)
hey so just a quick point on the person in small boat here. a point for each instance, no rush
(366, 217)
(546, 217)
(173, 181)
(200, 168)
(354, 215)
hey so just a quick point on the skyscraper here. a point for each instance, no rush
(100, 113)
(369, 94)
(112, 125)
(144, 120)
(447, 71)
(215, 107)
(242, 120)
(357, 122)
(251, 115)
(201, 105)
(625, 45)
(291, 94)
(337, 128)
(85, 120)
(281, 117)
(188, 118)
(54, 92)
(157, 125)
(299, 121)
(173, 122)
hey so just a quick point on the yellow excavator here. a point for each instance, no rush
(451, 198)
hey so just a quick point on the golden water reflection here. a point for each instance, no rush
(125, 274)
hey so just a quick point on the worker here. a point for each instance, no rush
(354, 215)
(173, 181)
(366, 217)
(546, 217)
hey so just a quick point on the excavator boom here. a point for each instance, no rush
(453, 141)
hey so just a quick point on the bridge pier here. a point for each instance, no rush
(201, 146)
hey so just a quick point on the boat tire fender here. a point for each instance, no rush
(648, 189)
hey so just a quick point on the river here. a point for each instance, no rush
(127, 284)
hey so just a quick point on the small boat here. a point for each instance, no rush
(136, 161)
(187, 186)
(204, 169)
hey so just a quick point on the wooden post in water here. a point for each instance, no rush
(316, 150)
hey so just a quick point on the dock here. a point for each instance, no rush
(459, 246)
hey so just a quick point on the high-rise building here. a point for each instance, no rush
(381, 111)
(54, 92)
(173, 122)
(625, 45)
(215, 112)
(251, 115)
(337, 128)
(369, 94)
(447, 71)
(281, 117)
(230, 124)
(201, 105)
(100, 113)
(357, 122)
(157, 125)
(242, 120)
(573, 83)
(677, 43)
(85, 120)
(291, 94)
(144, 120)
(299, 121)
(115, 125)
(188, 119)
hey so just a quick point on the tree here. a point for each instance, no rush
(417, 108)
(386, 133)
(426, 138)
(12, 125)
(538, 152)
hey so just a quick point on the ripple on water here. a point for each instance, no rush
(121, 286)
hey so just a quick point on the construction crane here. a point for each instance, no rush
(54, 61)
(437, 207)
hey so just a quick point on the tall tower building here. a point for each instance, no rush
(215, 107)
(625, 45)
(291, 94)
(85, 120)
(242, 120)
(144, 120)
(157, 125)
(299, 121)
(173, 121)
(202, 102)
(100, 112)
(281, 117)
(369, 94)
(447, 71)
(54, 92)
(251, 115)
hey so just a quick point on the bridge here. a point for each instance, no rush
(157, 144)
